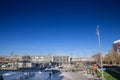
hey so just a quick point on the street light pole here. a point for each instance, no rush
(99, 45)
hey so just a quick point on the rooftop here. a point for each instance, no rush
(117, 41)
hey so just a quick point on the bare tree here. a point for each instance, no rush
(25, 59)
(96, 57)
(112, 57)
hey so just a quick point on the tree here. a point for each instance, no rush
(25, 59)
(118, 59)
(112, 57)
(107, 59)
(97, 58)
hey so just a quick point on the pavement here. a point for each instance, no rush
(78, 75)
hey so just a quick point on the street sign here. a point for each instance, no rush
(101, 69)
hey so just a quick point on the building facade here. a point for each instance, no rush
(41, 59)
(116, 46)
(61, 59)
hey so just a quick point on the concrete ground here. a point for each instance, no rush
(78, 75)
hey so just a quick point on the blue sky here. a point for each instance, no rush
(58, 26)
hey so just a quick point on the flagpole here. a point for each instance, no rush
(99, 44)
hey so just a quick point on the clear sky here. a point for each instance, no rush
(58, 26)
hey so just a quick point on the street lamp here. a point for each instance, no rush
(99, 45)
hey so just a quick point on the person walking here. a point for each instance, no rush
(53, 72)
(95, 67)
(1, 77)
(49, 78)
(50, 75)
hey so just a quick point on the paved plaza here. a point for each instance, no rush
(79, 75)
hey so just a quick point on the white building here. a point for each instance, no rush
(82, 59)
(61, 58)
(41, 59)
(25, 64)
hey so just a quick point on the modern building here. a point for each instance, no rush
(41, 59)
(116, 46)
(82, 59)
(61, 59)
(25, 65)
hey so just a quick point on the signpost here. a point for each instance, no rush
(99, 45)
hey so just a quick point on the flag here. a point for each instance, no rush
(97, 30)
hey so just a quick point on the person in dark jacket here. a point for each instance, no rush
(1, 77)
(50, 75)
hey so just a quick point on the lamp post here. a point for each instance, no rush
(99, 45)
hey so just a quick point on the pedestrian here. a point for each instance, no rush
(1, 77)
(93, 73)
(95, 67)
(50, 75)
(53, 72)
